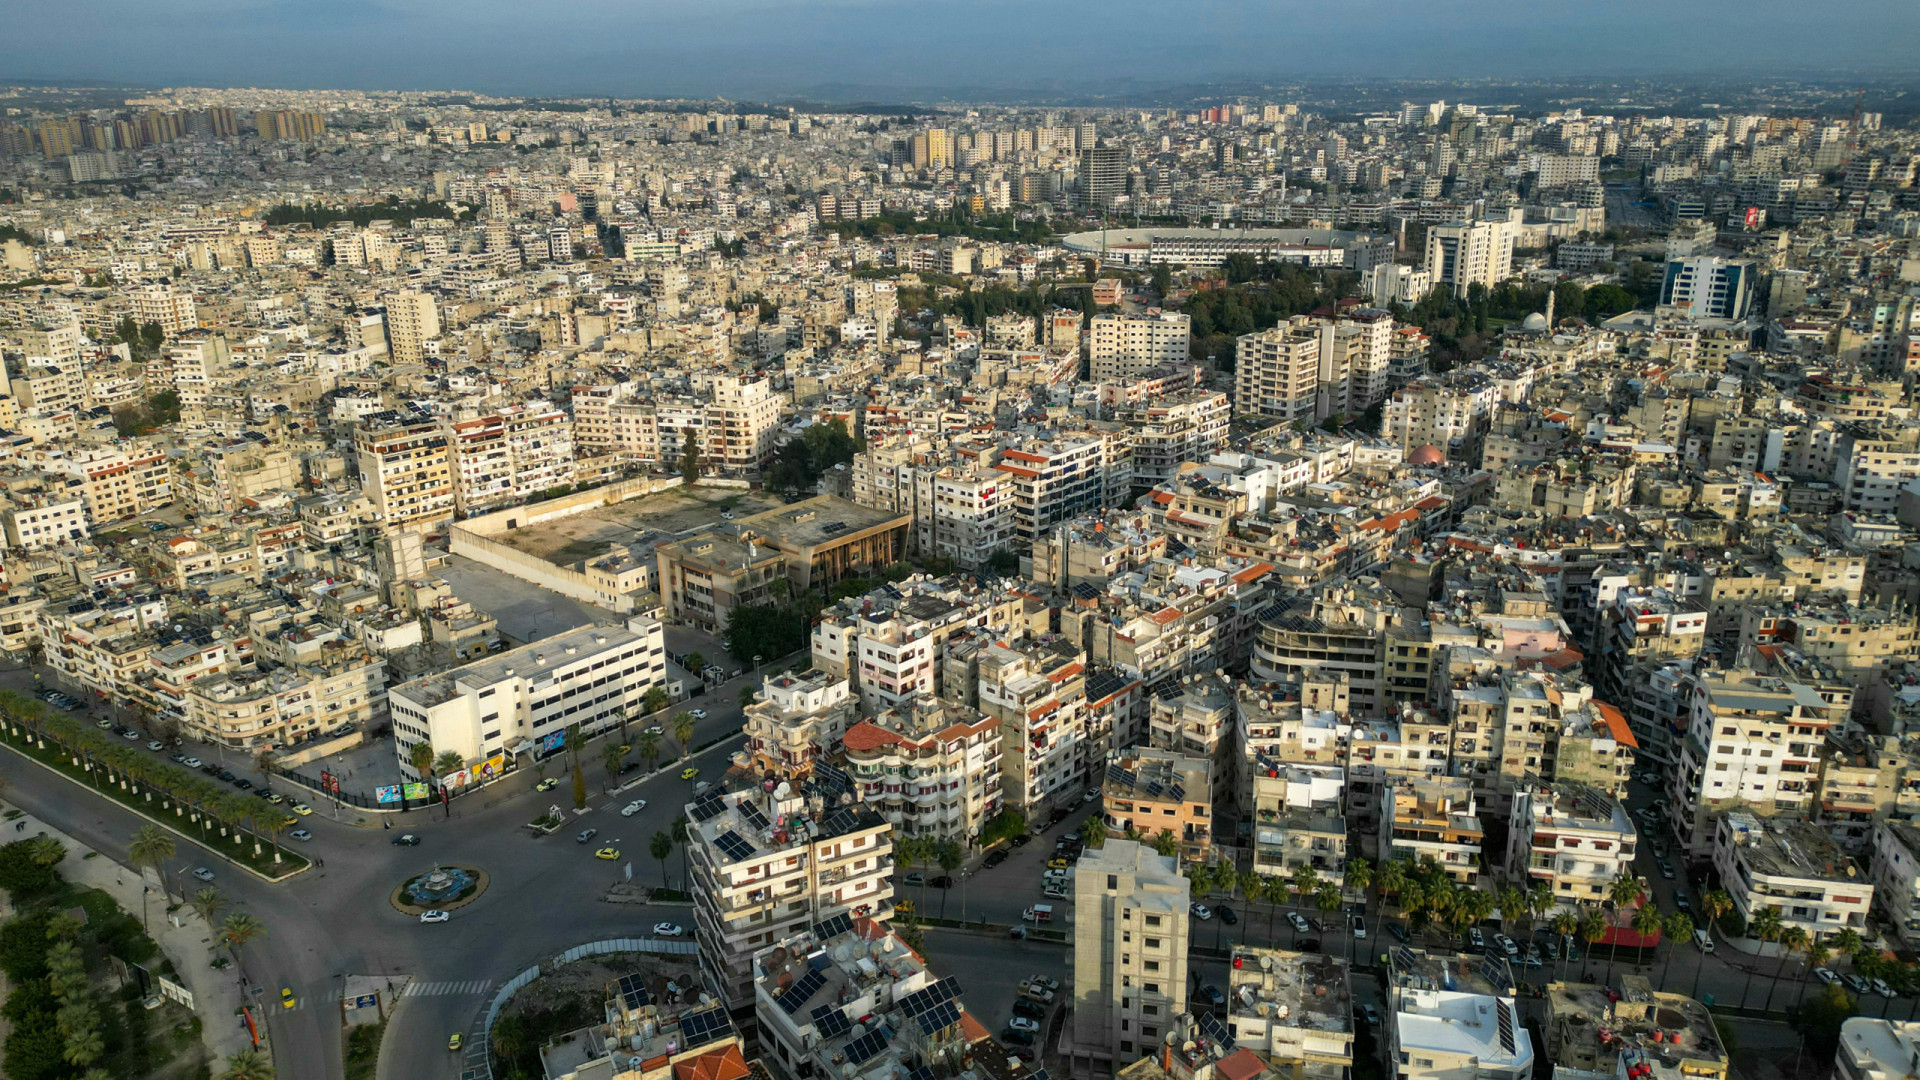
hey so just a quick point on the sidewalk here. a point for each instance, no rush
(216, 993)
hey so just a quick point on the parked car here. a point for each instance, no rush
(1477, 939)
(1201, 912)
(1856, 984)
(1298, 922)
(1507, 945)
(130, 735)
(1399, 933)
(1359, 928)
(434, 916)
(1226, 914)
(203, 873)
(1017, 1038)
(302, 809)
(242, 783)
(698, 714)
(1091, 794)
(1030, 1009)
(667, 929)
(1371, 1014)
(1826, 975)
(1021, 1023)
(942, 882)
(1044, 980)
(915, 878)
(1213, 995)
(994, 858)
(1880, 987)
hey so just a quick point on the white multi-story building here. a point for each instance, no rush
(798, 721)
(511, 455)
(1752, 740)
(413, 320)
(1130, 930)
(1463, 253)
(1434, 817)
(766, 865)
(406, 470)
(528, 699)
(1451, 1023)
(931, 768)
(1896, 876)
(1054, 482)
(1276, 373)
(1874, 1048)
(1119, 346)
(1793, 867)
(962, 512)
(1576, 839)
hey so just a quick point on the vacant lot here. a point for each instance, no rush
(663, 516)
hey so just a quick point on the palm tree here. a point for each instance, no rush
(649, 746)
(1593, 927)
(681, 834)
(84, 1047)
(1302, 882)
(660, 847)
(1647, 921)
(1359, 875)
(1392, 877)
(420, 756)
(1817, 955)
(1094, 832)
(1765, 925)
(1511, 902)
(207, 903)
(1327, 900)
(1566, 923)
(150, 848)
(238, 931)
(1624, 892)
(610, 758)
(248, 1065)
(1713, 906)
(1678, 929)
(1413, 905)
(1792, 940)
(682, 728)
(447, 762)
(950, 857)
(749, 693)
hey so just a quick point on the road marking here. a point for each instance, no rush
(448, 989)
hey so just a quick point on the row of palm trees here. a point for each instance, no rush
(110, 763)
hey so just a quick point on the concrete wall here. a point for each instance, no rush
(571, 583)
(318, 750)
(566, 505)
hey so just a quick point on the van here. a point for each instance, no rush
(1703, 939)
(1038, 913)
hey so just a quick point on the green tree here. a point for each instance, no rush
(1624, 892)
(420, 756)
(748, 694)
(682, 728)
(1766, 925)
(579, 787)
(84, 1046)
(239, 930)
(1165, 843)
(207, 903)
(1593, 927)
(660, 847)
(248, 1065)
(1647, 921)
(152, 847)
(1713, 905)
(655, 700)
(1567, 924)
(1094, 832)
(611, 761)
(649, 747)
(949, 857)
(1162, 280)
(1818, 1020)
(1792, 939)
(690, 457)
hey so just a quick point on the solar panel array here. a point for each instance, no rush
(633, 992)
(928, 997)
(832, 928)
(1039, 1074)
(1497, 972)
(1103, 684)
(1504, 1014)
(940, 1017)
(707, 806)
(830, 1020)
(921, 1073)
(1217, 1031)
(733, 845)
(796, 995)
(704, 1027)
(1403, 958)
(751, 811)
(831, 777)
(866, 1046)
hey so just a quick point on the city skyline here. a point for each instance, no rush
(857, 47)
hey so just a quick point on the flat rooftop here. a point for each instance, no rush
(820, 520)
(525, 662)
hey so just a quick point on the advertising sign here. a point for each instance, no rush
(1753, 217)
(554, 741)
(329, 782)
(364, 1001)
(415, 791)
(454, 779)
(493, 766)
(173, 991)
(387, 793)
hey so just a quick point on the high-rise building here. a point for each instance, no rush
(412, 320)
(1103, 176)
(1461, 253)
(1122, 346)
(289, 124)
(1129, 950)
(1276, 372)
(406, 469)
(1708, 287)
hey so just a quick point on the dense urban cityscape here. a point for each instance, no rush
(1328, 582)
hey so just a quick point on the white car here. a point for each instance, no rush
(633, 808)
(1021, 1023)
(156, 746)
(656, 730)
(1201, 912)
(1299, 922)
(698, 714)
(667, 929)
(434, 916)
(192, 763)
(203, 873)
(1826, 975)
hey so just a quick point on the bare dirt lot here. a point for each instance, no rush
(656, 517)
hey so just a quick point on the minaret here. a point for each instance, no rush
(1550, 298)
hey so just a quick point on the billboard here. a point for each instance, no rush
(554, 741)
(1753, 217)
(329, 782)
(457, 778)
(387, 793)
(493, 766)
(416, 791)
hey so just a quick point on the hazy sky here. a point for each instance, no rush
(743, 48)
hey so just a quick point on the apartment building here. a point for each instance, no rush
(344, 686)
(1291, 1010)
(1596, 1030)
(1576, 839)
(1059, 480)
(1130, 939)
(1752, 740)
(507, 457)
(964, 512)
(1356, 353)
(1793, 867)
(1461, 254)
(532, 699)
(1276, 372)
(1122, 346)
(407, 470)
(766, 865)
(35, 518)
(1896, 877)
(798, 722)
(1174, 430)
(1555, 731)
(930, 767)
(1152, 793)
(413, 322)
(117, 482)
(166, 306)
(1037, 688)
(1435, 817)
(1193, 717)
(1454, 1018)
(1875, 1048)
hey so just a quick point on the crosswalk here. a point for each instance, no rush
(448, 989)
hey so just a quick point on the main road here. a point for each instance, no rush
(545, 895)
